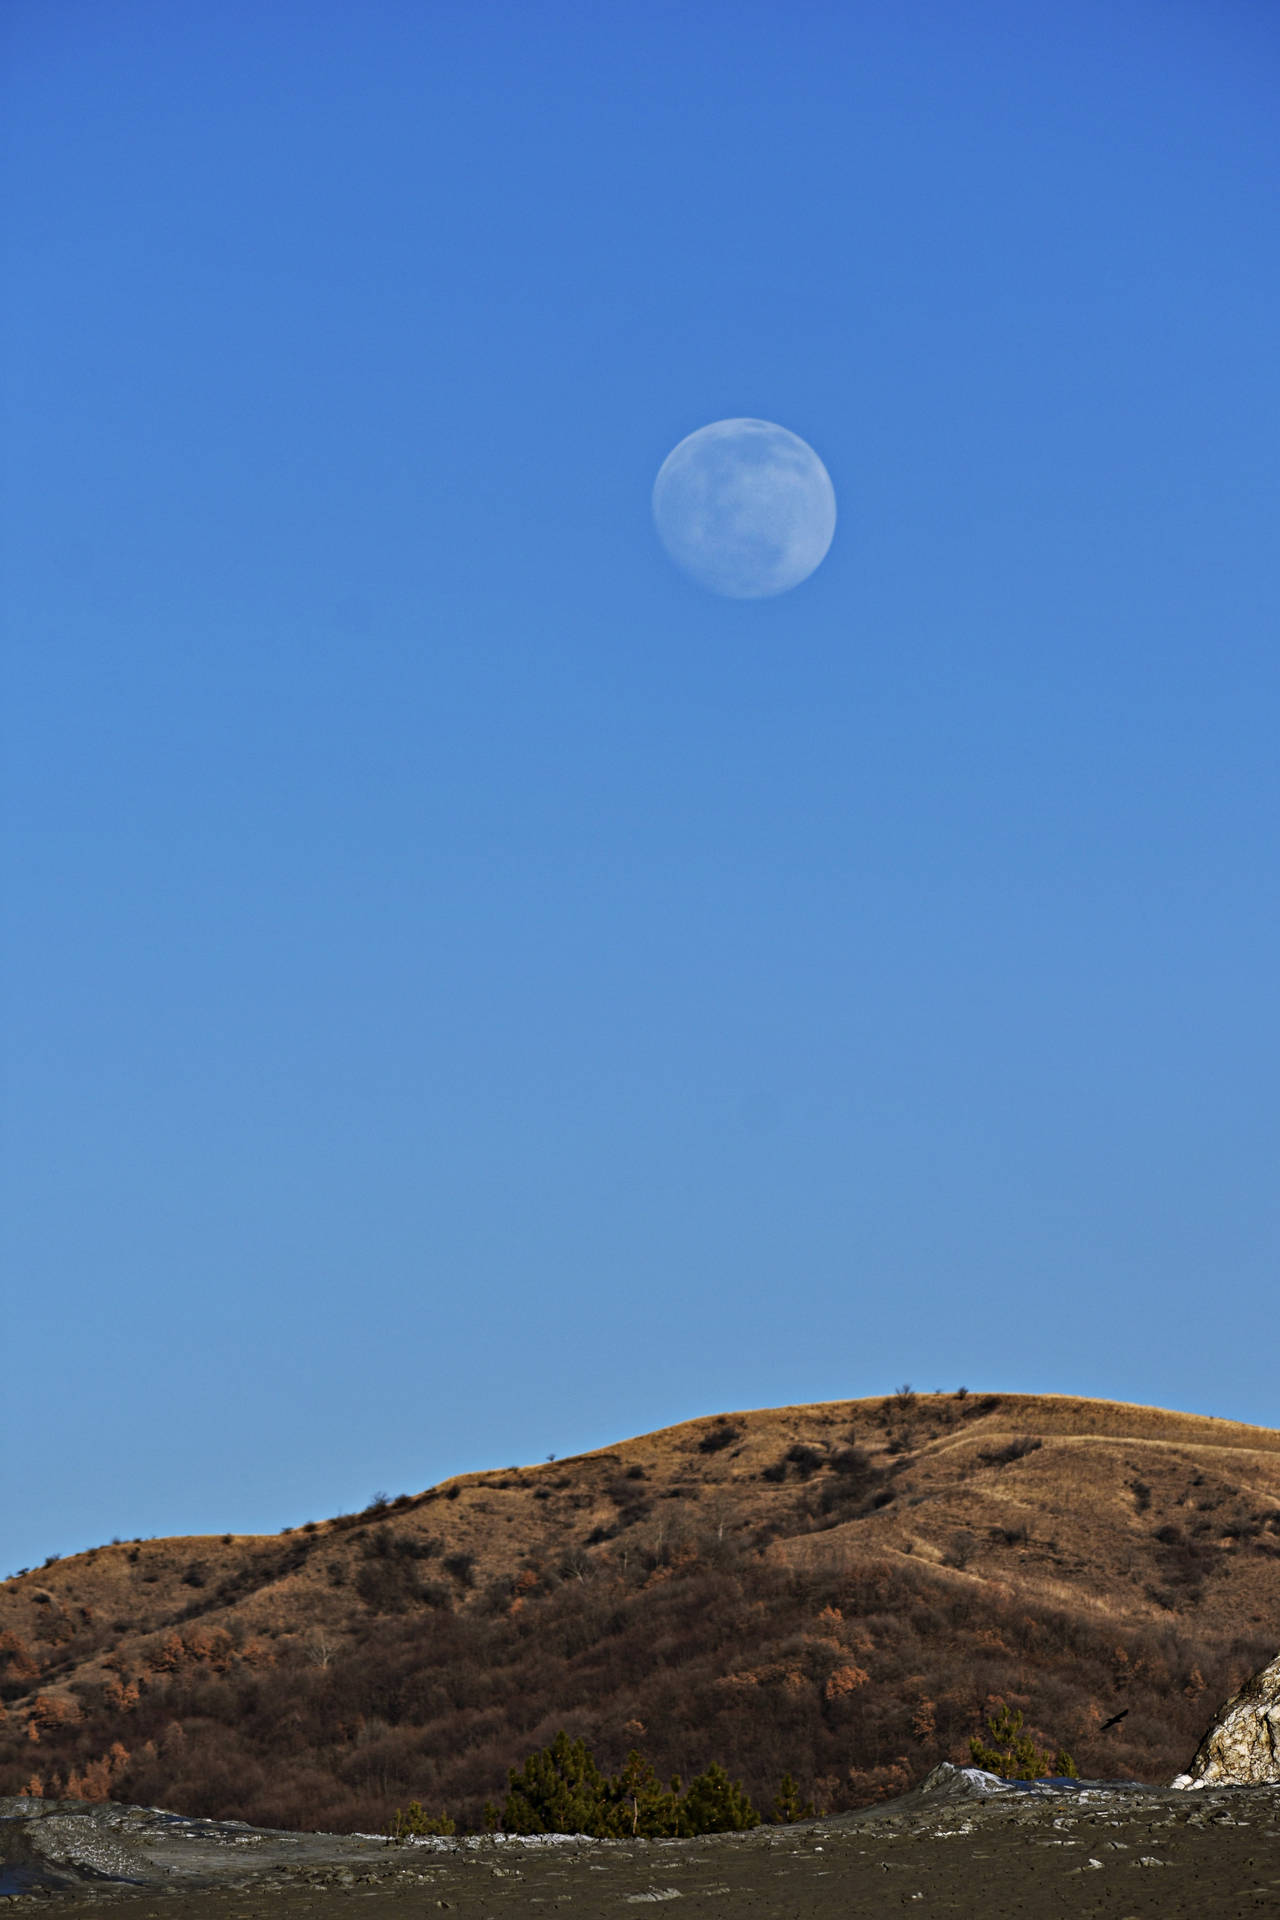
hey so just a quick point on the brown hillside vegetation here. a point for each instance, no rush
(841, 1591)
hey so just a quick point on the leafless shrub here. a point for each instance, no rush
(805, 1459)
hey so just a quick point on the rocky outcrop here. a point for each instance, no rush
(1242, 1747)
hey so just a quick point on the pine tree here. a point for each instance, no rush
(643, 1805)
(716, 1804)
(416, 1820)
(1013, 1754)
(559, 1789)
(788, 1806)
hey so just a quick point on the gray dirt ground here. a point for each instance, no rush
(1094, 1851)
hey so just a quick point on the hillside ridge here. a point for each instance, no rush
(837, 1589)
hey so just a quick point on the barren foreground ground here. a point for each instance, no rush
(1093, 1852)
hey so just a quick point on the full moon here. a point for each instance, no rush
(745, 507)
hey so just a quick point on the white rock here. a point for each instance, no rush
(1242, 1747)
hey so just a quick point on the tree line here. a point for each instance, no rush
(561, 1788)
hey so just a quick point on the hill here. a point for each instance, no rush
(838, 1590)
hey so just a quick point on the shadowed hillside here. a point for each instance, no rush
(840, 1591)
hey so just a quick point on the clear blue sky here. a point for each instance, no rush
(469, 993)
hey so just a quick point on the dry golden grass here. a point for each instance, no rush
(1086, 1534)
(1112, 1515)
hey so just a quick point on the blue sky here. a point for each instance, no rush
(470, 993)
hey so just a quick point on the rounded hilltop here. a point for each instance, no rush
(833, 1590)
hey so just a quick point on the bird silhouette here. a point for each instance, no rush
(1114, 1721)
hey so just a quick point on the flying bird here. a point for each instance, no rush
(1114, 1721)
